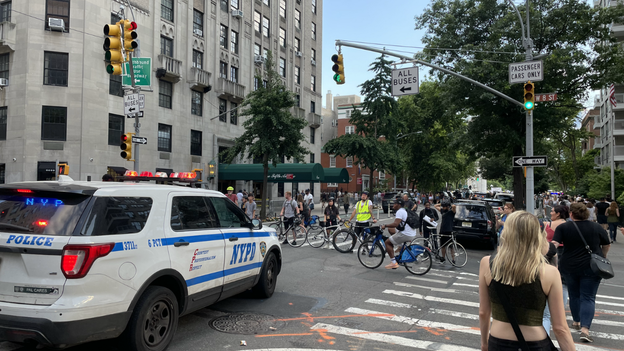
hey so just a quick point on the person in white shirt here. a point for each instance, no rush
(239, 195)
(309, 199)
(396, 239)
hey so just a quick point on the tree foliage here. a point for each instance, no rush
(271, 131)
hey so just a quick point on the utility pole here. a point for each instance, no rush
(530, 180)
(135, 90)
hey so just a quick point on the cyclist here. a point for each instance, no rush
(230, 195)
(446, 227)
(364, 211)
(331, 214)
(405, 232)
(289, 211)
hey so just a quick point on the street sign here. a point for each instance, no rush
(138, 114)
(139, 140)
(533, 161)
(545, 97)
(141, 102)
(522, 72)
(131, 103)
(142, 67)
(405, 81)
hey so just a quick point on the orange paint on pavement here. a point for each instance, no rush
(309, 318)
(296, 334)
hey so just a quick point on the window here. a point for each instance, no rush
(297, 77)
(115, 129)
(257, 49)
(57, 9)
(166, 46)
(5, 12)
(257, 21)
(223, 110)
(234, 42)
(266, 2)
(349, 129)
(196, 142)
(265, 53)
(265, 26)
(313, 54)
(234, 74)
(234, 4)
(297, 44)
(117, 215)
(2, 171)
(223, 66)
(55, 68)
(313, 83)
(298, 100)
(224, 5)
(313, 30)
(165, 93)
(197, 99)
(311, 158)
(54, 123)
(282, 67)
(382, 175)
(166, 9)
(3, 124)
(190, 213)
(233, 113)
(282, 37)
(332, 161)
(297, 19)
(313, 2)
(4, 65)
(115, 86)
(256, 83)
(223, 37)
(198, 23)
(264, 83)
(282, 9)
(280, 189)
(312, 135)
(164, 137)
(312, 106)
(229, 215)
(198, 59)
(349, 161)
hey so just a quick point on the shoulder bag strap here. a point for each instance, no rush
(582, 238)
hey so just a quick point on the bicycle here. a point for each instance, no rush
(317, 239)
(455, 252)
(344, 240)
(313, 222)
(298, 235)
(415, 258)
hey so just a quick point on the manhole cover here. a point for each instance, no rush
(246, 323)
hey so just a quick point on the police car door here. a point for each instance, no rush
(242, 246)
(196, 245)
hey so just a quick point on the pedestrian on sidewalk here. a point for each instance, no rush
(613, 219)
(601, 215)
(575, 265)
(345, 201)
(518, 279)
(592, 211)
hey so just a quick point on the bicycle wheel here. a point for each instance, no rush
(424, 242)
(316, 237)
(297, 238)
(343, 240)
(371, 255)
(456, 254)
(278, 230)
(421, 265)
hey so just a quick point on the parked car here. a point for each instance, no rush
(507, 197)
(497, 205)
(389, 196)
(475, 219)
(480, 195)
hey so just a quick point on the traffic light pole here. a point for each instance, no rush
(135, 89)
(530, 180)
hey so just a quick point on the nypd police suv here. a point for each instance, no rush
(84, 261)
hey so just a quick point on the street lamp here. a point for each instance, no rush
(396, 144)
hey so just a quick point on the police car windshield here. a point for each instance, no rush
(47, 214)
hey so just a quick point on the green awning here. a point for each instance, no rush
(336, 175)
(282, 173)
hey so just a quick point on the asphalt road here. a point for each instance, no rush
(328, 301)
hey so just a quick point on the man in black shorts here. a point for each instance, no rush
(446, 227)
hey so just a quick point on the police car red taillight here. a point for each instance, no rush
(78, 259)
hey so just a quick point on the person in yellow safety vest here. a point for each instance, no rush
(364, 211)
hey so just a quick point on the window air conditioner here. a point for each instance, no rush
(56, 24)
(237, 13)
(4, 82)
(298, 53)
(313, 63)
(258, 59)
(198, 32)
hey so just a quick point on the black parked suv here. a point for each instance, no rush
(389, 196)
(475, 220)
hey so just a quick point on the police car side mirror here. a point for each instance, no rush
(257, 224)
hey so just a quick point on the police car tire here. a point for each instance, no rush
(268, 278)
(154, 297)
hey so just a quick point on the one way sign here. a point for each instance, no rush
(533, 161)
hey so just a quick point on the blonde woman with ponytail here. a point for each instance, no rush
(521, 271)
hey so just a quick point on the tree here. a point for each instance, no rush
(481, 37)
(376, 117)
(600, 183)
(271, 131)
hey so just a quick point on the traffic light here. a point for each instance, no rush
(130, 35)
(63, 168)
(126, 146)
(529, 95)
(112, 46)
(338, 68)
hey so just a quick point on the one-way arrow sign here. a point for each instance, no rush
(139, 140)
(403, 89)
(533, 161)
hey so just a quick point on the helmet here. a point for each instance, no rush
(230, 188)
(445, 202)
(331, 199)
(365, 193)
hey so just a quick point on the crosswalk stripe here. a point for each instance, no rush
(390, 339)
(428, 280)
(468, 285)
(431, 298)
(408, 285)
(390, 303)
(610, 297)
(460, 273)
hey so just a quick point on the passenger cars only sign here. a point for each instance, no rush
(405, 81)
(522, 72)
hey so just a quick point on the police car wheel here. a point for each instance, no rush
(154, 320)
(268, 278)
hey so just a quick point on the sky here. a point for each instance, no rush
(373, 23)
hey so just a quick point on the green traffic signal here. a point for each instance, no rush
(528, 105)
(337, 78)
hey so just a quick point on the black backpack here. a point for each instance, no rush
(413, 220)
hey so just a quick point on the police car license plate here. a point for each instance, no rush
(466, 224)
